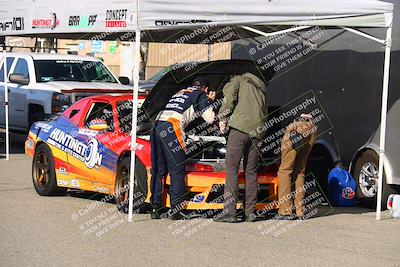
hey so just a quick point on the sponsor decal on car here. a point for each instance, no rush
(73, 183)
(88, 154)
(116, 18)
(87, 132)
(139, 146)
(14, 24)
(43, 126)
(48, 23)
(100, 189)
(62, 171)
(82, 21)
(348, 193)
(29, 143)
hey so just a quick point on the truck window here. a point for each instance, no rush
(22, 68)
(9, 63)
(72, 70)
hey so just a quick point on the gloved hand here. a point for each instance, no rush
(212, 95)
(222, 126)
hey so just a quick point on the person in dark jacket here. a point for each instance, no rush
(168, 143)
(243, 110)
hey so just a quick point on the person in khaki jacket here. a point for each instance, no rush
(296, 146)
(245, 108)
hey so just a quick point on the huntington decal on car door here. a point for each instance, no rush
(95, 162)
(86, 153)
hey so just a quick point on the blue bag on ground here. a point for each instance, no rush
(341, 188)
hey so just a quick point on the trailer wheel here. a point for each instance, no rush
(366, 176)
(122, 186)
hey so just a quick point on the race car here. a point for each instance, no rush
(88, 147)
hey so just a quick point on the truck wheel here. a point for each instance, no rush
(36, 116)
(43, 173)
(366, 176)
(122, 186)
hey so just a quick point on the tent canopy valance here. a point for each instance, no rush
(172, 20)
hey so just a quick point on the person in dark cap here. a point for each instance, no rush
(168, 143)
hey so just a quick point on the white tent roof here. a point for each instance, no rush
(360, 13)
(56, 18)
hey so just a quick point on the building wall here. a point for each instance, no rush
(20, 44)
(161, 55)
(118, 56)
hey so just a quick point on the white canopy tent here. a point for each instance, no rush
(107, 19)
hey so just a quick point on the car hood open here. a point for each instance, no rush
(177, 79)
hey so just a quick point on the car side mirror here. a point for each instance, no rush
(98, 125)
(124, 80)
(18, 79)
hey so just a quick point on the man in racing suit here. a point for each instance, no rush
(168, 143)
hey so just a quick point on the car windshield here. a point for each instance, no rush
(72, 70)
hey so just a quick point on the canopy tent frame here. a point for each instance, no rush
(385, 88)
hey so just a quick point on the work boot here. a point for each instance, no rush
(158, 212)
(285, 217)
(251, 218)
(227, 218)
(177, 216)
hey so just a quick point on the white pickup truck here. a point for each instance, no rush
(41, 84)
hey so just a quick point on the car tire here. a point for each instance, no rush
(122, 186)
(43, 173)
(366, 176)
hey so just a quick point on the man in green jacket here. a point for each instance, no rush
(244, 109)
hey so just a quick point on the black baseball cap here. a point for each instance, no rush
(200, 82)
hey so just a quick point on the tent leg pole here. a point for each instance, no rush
(6, 105)
(134, 122)
(382, 138)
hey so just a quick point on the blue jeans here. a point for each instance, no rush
(167, 156)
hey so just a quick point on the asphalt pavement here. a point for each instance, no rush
(85, 229)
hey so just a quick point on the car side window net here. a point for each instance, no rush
(100, 112)
(124, 109)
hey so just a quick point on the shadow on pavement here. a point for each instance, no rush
(17, 142)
